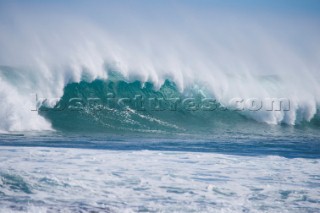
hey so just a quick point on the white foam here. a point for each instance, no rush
(16, 114)
(71, 179)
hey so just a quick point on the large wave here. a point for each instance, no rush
(224, 55)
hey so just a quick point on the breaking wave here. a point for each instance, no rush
(117, 105)
(232, 56)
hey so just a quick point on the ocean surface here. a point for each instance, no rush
(117, 145)
(123, 146)
(278, 171)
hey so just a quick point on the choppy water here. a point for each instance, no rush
(52, 172)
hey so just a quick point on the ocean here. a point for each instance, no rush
(225, 172)
(106, 157)
(159, 106)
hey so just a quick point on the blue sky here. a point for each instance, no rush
(286, 6)
(125, 11)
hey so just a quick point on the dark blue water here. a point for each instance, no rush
(282, 141)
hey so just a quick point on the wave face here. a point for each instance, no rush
(119, 106)
(219, 52)
(116, 105)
